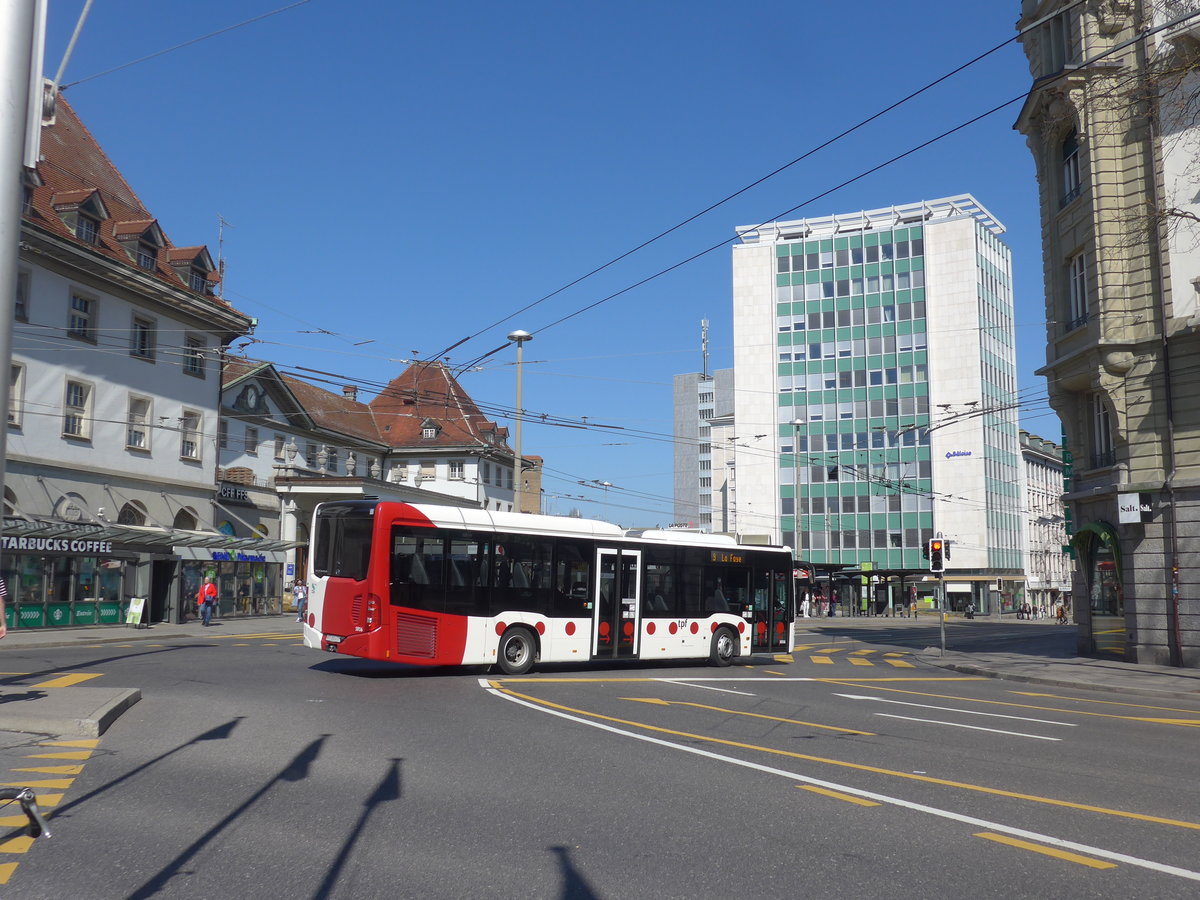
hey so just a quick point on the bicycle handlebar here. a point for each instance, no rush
(28, 799)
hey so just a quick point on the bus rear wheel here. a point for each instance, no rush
(516, 652)
(724, 647)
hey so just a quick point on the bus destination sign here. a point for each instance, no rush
(724, 556)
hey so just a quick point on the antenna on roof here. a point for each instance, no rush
(221, 226)
(704, 345)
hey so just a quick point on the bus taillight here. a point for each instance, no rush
(372, 610)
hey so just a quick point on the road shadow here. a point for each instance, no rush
(574, 885)
(388, 789)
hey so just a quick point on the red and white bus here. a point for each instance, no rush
(439, 585)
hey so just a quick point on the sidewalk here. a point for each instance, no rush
(41, 707)
(1033, 662)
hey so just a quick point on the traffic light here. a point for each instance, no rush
(936, 550)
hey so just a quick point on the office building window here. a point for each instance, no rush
(77, 410)
(137, 429)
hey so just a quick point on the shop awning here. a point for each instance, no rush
(139, 535)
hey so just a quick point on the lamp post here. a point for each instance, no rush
(519, 338)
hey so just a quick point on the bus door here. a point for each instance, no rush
(772, 616)
(618, 605)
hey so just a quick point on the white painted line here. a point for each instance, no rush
(869, 795)
(969, 712)
(1036, 737)
(705, 687)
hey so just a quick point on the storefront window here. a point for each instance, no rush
(63, 590)
(1105, 591)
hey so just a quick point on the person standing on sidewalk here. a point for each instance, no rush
(207, 598)
(300, 596)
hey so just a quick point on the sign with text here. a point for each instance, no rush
(1134, 508)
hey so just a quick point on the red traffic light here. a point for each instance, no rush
(935, 545)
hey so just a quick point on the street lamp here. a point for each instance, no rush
(519, 338)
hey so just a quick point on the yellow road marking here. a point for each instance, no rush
(896, 653)
(900, 664)
(6, 871)
(241, 645)
(1187, 723)
(67, 680)
(82, 742)
(823, 660)
(64, 754)
(1048, 851)
(861, 767)
(47, 801)
(824, 650)
(53, 770)
(861, 652)
(837, 795)
(859, 661)
(1106, 702)
(60, 783)
(15, 821)
(769, 672)
(654, 701)
(782, 658)
(16, 845)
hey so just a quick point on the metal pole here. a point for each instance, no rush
(518, 337)
(942, 604)
(17, 19)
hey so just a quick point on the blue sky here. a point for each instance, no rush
(412, 174)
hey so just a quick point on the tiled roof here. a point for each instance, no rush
(337, 412)
(428, 391)
(72, 168)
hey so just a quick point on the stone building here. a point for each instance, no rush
(1111, 121)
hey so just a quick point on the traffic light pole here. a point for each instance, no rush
(942, 603)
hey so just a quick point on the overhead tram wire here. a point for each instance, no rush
(808, 153)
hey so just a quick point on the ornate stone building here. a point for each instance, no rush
(1111, 122)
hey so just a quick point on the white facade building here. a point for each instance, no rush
(1047, 564)
(876, 348)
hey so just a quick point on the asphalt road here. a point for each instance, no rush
(256, 768)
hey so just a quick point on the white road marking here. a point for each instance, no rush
(705, 687)
(869, 795)
(1036, 737)
(969, 712)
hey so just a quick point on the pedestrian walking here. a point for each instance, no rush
(300, 597)
(206, 599)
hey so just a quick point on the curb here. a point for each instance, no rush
(110, 703)
(1050, 681)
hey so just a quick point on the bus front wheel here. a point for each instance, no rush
(724, 647)
(516, 652)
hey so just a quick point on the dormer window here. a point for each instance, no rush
(429, 433)
(194, 267)
(82, 211)
(147, 256)
(87, 229)
(142, 240)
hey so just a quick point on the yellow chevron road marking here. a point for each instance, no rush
(65, 754)
(823, 660)
(63, 681)
(1048, 851)
(16, 845)
(60, 783)
(837, 795)
(81, 742)
(859, 661)
(53, 770)
(7, 869)
(900, 664)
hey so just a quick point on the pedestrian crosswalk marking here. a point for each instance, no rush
(64, 754)
(900, 664)
(861, 652)
(81, 742)
(859, 661)
(61, 783)
(825, 660)
(16, 845)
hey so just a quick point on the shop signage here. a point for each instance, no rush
(62, 545)
(1133, 508)
(226, 556)
(956, 453)
(231, 493)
